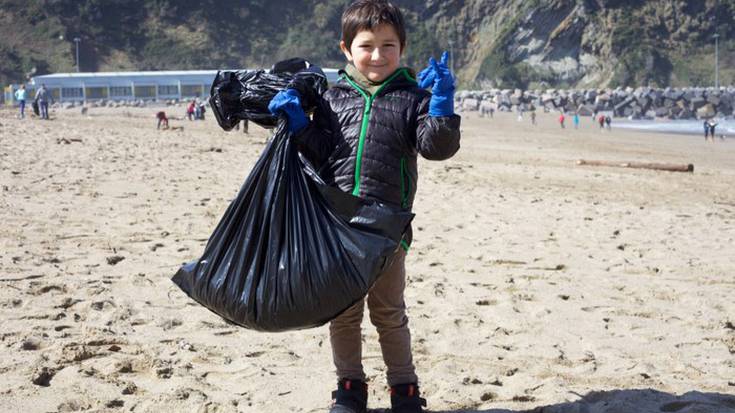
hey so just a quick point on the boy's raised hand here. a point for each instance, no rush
(288, 103)
(440, 78)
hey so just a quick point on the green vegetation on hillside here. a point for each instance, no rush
(654, 42)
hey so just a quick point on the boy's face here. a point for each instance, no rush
(375, 53)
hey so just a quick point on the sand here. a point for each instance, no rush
(533, 283)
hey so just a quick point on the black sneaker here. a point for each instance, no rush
(405, 398)
(350, 397)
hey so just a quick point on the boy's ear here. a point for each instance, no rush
(345, 50)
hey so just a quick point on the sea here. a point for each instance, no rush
(725, 127)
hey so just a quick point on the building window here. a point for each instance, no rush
(121, 91)
(145, 91)
(191, 90)
(96, 92)
(168, 90)
(71, 92)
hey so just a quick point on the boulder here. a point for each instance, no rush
(697, 102)
(585, 110)
(470, 105)
(661, 112)
(714, 99)
(706, 111)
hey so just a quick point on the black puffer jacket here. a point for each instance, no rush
(368, 145)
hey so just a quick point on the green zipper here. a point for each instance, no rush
(366, 120)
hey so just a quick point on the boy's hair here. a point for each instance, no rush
(369, 14)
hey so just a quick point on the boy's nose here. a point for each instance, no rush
(376, 54)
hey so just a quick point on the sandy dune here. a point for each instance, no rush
(532, 281)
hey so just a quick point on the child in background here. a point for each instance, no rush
(20, 96)
(162, 120)
(377, 120)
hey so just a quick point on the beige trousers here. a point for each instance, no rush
(388, 314)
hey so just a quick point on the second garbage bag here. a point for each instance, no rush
(291, 252)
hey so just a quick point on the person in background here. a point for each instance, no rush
(197, 109)
(706, 130)
(608, 121)
(20, 96)
(42, 97)
(712, 126)
(601, 121)
(561, 119)
(162, 120)
(575, 120)
(244, 126)
(533, 117)
(201, 110)
(190, 110)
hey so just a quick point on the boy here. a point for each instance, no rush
(365, 141)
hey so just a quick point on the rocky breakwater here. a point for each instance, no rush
(640, 103)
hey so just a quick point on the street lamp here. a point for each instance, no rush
(717, 61)
(76, 41)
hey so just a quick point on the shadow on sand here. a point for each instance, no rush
(630, 401)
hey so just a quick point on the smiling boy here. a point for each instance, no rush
(366, 141)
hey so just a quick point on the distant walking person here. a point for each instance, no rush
(533, 117)
(601, 121)
(608, 121)
(20, 96)
(712, 126)
(575, 119)
(42, 97)
(706, 130)
(561, 120)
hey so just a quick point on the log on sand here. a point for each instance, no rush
(641, 165)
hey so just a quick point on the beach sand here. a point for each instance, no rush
(532, 281)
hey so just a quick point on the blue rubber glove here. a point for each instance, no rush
(441, 80)
(288, 102)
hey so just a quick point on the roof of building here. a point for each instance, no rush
(98, 77)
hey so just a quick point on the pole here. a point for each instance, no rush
(451, 55)
(717, 61)
(76, 41)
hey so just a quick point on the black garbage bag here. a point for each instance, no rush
(290, 252)
(245, 94)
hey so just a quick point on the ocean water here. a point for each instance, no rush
(689, 127)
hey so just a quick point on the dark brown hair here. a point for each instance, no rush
(369, 14)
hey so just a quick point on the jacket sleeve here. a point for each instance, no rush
(316, 141)
(437, 138)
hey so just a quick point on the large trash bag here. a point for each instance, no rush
(245, 94)
(290, 252)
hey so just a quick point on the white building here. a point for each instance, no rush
(121, 86)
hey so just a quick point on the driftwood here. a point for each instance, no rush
(641, 165)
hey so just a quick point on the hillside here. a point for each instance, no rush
(507, 43)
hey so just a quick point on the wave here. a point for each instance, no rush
(724, 127)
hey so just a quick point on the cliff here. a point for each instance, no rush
(496, 43)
